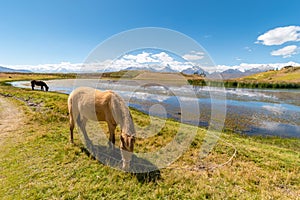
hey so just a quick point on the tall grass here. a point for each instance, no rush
(242, 84)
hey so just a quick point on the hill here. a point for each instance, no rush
(288, 74)
(235, 73)
(5, 69)
(287, 77)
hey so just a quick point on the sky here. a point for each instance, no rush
(64, 32)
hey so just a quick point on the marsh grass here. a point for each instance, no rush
(38, 162)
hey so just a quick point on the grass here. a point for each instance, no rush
(7, 77)
(247, 83)
(286, 78)
(121, 74)
(287, 74)
(38, 162)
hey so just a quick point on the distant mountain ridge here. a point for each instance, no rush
(288, 74)
(5, 69)
(235, 73)
(227, 74)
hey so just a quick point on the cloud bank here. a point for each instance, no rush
(280, 36)
(285, 52)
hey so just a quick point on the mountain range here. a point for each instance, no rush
(234, 72)
(5, 69)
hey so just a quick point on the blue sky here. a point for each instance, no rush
(38, 32)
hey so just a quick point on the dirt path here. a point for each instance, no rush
(11, 118)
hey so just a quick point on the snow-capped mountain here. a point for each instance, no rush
(235, 73)
(6, 69)
(243, 69)
(193, 70)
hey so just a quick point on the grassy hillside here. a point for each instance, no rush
(288, 77)
(285, 75)
(38, 162)
(6, 76)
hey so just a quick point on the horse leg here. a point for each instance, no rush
(112, 140)
(72, 125)
(42, 88)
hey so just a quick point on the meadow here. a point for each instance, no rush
(37, 161)
(286, 78)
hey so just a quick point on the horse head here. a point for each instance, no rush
(126, 146)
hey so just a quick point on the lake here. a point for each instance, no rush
(245, 111)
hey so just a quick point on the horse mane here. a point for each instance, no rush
(121, 114)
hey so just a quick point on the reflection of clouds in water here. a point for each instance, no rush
(249, 93)
(187, 99)
(281, 129)
(146, 96)
(271, 126)
(277, 109)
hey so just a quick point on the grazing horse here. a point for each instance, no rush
(86, 103)
(39, 83)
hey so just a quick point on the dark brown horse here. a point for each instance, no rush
(39, 83)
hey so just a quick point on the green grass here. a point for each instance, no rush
(7, 77)
(249, 83)
(290, 75)
(38, 162)
(286, 78)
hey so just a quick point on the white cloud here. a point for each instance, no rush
(193, 55)
(156, 61)
(280, 35)
(163, 57)
(285, 52)
(145, 60)
(44, 68)
(140, 58)
(278, 109)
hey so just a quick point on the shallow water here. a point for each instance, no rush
(247, 111)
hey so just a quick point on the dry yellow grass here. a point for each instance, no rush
(288, 75)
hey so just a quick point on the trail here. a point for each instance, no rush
(11, 118)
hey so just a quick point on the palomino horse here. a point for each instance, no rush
(39, 83)
(86, 103)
